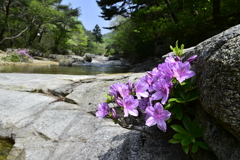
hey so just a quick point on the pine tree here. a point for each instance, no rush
(97, 33)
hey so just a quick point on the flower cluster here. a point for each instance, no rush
(149, 95)
(18, 55)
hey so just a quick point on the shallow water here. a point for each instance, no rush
(74, 70)
(6, 145)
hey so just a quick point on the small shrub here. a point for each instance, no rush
(17, 55)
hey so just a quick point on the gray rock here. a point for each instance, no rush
(37, 53)
(222, 142)
(44, 128)
(44, 83)
(88, 57)
(47, 129)
(114, 58)
(218, 75)
(65, 63)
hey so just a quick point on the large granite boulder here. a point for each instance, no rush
(218, 79)
(88, 57)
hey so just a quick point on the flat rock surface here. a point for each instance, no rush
(46, 128)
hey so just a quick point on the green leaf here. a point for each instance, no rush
(174, 109)
(183, 83)
(192, 99)
(169, 105)
(192, 139)
(194, 148)
(182, 46)
(172, 100)
(174, 141)
(179, 113)
(178, 129)
(179, 100)
(193, 95)
(191, 111)
(179, 136)
(187, 123)
(198, 132)
(183, 95)
(202, 144)
(194, 124)
(170, 119)
(186, 141)
(109, 98)
(188, 96)
(186, 149)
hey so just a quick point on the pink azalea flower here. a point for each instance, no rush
(162, 91)
(130, 104)
(166, 72)
(114, 114)
(156, 115)
(192, 58)
(172, 59)
(144, 103)
(119, 90)
(103, 110)
(182, 71)
(141, 89)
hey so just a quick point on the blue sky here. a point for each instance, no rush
(89, 14)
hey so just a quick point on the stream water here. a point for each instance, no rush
(74, 70)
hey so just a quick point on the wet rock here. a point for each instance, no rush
(88, 57)
(65, 63)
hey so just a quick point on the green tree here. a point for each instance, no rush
(12, 19)
(42, 25)
(43, 12)
(190, 22)
(78, 41)
(97, 33)
(64, 23)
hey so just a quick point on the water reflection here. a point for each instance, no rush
(74, 70)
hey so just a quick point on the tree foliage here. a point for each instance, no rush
(188, 21)
(97, 33)
(48, 26)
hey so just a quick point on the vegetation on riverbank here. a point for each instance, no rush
(17, 55)
(12, 58)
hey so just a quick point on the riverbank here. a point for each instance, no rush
(33, 62)
(96, 60)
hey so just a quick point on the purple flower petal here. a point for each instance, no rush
(156, 115)
(162, 125)
(182, 71)
(162, 91)
(130, 104)
(151, 121)
(103, 110)
(141, 89)
(192, 58)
